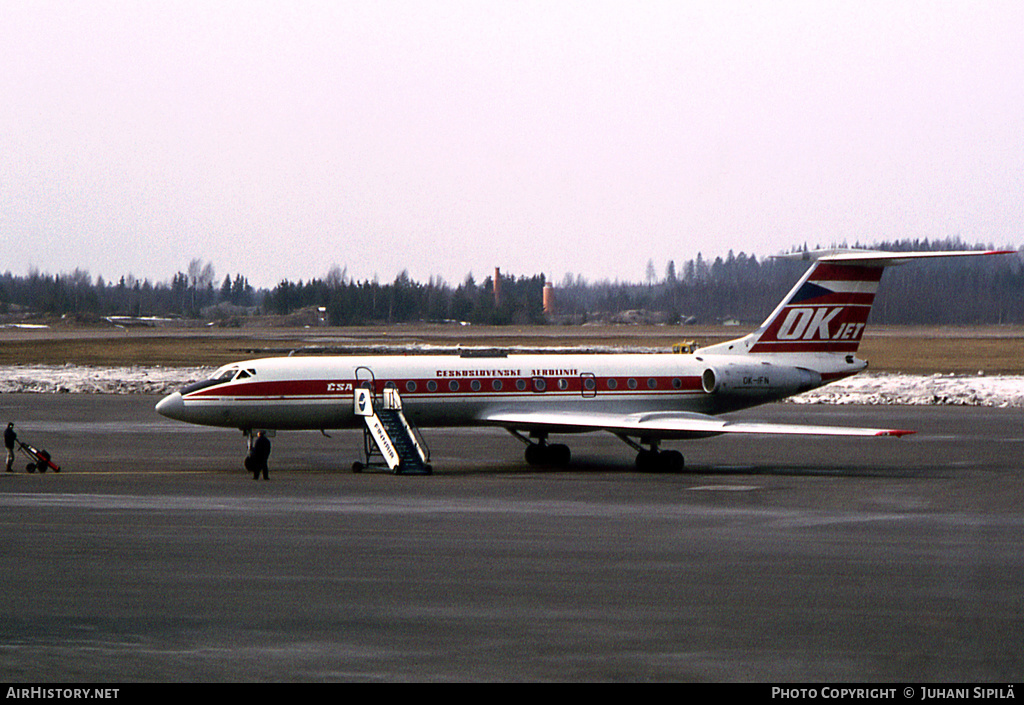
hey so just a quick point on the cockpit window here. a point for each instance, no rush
(224, 374)
(221, 376)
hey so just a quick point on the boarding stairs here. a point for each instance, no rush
(389, 435)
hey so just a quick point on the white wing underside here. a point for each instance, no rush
(664, 424)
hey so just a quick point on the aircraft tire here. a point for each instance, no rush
(673, 461)
(357, 467)
(534, 454)
(559, 455)
(660, 461)
(647, 461)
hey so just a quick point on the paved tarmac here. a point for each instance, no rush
(153, 557)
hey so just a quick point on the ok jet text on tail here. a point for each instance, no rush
(809, 340)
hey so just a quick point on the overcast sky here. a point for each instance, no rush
(276, 139)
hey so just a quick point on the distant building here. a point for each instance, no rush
(549, 299)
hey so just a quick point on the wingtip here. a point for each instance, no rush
(896, 433)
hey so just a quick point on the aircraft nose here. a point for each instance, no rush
(171, 406)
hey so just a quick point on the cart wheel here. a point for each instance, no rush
(31, 467)
(357, 467)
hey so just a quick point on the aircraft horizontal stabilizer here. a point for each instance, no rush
(884, 258)
(664, 425)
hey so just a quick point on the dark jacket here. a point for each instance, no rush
(261, 450)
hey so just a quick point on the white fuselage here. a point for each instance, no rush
(316, 393)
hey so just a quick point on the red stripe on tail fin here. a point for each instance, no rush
(825, 312)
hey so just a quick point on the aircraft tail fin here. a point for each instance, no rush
(828, 308)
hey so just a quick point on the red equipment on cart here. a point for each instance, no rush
(40, 459)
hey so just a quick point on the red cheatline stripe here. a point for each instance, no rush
(325, 389)
(826, 271)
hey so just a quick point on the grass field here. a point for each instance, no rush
(994, 350)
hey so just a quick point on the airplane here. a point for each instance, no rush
(809, 340)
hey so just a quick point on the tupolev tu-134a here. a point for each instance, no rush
(809, 340)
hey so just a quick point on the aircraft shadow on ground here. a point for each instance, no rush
(595, 466)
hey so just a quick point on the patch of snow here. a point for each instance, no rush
(78, 379)
(917, 390)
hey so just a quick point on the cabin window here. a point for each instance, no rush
(652, 383)
(475, 385)
(496, 385)
(631, 383)
(453, 385)
(431, 386)
(677, 383)
(612, 384)
(563, 384)
(410, 386)
(521, 385)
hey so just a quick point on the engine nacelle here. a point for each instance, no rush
(763, 380)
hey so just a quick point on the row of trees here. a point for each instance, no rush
(77, 294)
(959, 291)
(348, 302)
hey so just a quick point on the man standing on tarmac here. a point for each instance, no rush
(9, 438)
(260, 454)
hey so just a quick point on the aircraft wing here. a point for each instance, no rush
(663, 424)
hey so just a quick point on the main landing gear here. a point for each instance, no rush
(651, 459)
(648, 459)
(556, 455)
(660, 461)
(540, 453)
